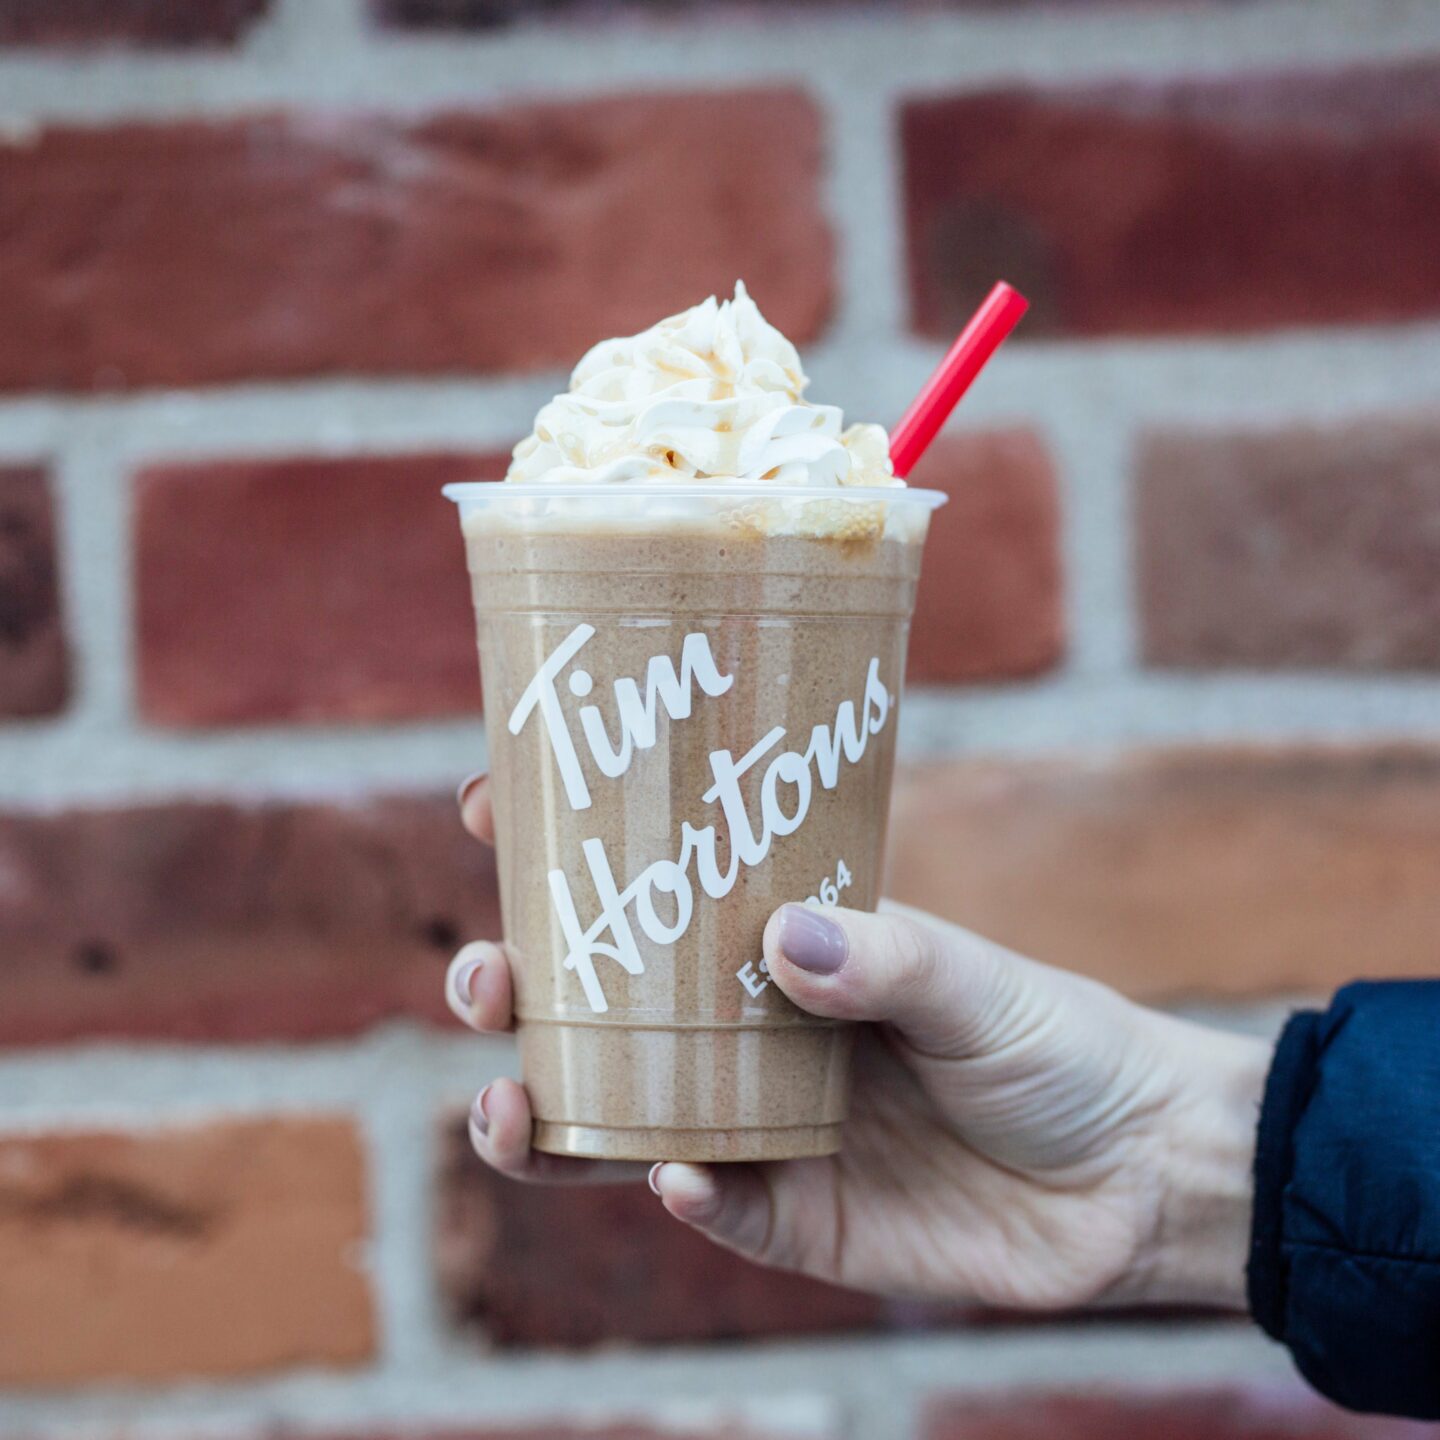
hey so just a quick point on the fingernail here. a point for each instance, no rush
(811, 941)
(462, 793)
(478, 1118)
(655, 1169)
(463, 985)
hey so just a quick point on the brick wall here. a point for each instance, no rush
(272, 271)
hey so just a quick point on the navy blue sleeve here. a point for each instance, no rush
(1345, 1252)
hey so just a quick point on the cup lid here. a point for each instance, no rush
(483, 491)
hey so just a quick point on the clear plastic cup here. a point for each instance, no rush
(691, 697)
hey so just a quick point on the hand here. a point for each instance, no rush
(1019, 1136)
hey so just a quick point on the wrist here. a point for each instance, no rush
(1200, 1245)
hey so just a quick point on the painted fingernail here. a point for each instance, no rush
(462, 983)
(478, 1118)
(462, 793)
(655, 1169)
(811, 940)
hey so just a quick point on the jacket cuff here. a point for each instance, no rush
(1287, 1092)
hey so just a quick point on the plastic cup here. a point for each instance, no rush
(691, 697)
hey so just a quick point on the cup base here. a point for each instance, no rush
(790, 1142)
(741, 1091)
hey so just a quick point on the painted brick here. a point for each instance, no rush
(1221, 872)
(127, 22)
(1275, 1412)
(219, 1251)
(229, 922)
(310, 244)
(581, 1265)
(990, 603)
(34, 668)
(304, 590)
(1306, 548)
(1180, 205)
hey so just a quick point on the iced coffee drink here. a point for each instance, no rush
(693, 592)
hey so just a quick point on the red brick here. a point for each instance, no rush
(218, 1251)
(34, 667)
(1170, 206)
(1222, 872)
(222, 921)
(990, 604)
(336, 588)
(127, 22)
(309, 244)
(584, 1265)
(1192, 872)
(460, 14)
(304, 590)
(1275, 1412)
(719, 1426)
(576, 1266)
(1308, 547)
(498, 14)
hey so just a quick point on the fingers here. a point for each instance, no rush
(500, 1129)
(476, 813)
(732, 1204)
(941, 987)
(477, 988)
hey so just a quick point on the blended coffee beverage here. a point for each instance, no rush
(693, 592)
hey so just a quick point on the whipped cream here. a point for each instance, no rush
(710, 396)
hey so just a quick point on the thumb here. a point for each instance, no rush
(781, 1213)
(732, 1204)
(945, 989)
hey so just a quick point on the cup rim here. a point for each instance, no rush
(484, 491)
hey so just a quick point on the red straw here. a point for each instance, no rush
(978, 341)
